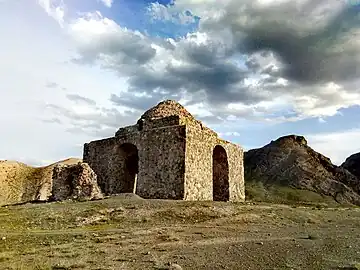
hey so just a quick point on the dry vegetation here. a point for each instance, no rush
(125, 232)
(19, 182)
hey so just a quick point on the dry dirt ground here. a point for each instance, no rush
(130, 233)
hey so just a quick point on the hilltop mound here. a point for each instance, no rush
(289, 162)
(21, 183)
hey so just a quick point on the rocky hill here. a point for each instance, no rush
(289, 162)
(21, 183)
(352, 164)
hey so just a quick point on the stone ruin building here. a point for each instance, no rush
(168, 154)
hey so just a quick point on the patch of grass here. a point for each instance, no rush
(257, 191)
(50, 216)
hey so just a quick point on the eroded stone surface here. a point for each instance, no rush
(174, 155)
(77, 182)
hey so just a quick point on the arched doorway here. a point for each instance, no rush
(130, 167)
(220, 174)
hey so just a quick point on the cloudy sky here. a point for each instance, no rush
(72, 71)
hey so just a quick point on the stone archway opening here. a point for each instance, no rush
(130, 167)
(220, 174)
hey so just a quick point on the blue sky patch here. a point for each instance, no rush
(134, 15)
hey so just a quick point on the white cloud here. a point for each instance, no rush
(55, 9)
(229, 134)
(326, 100)
(199, 109)
(107, 3)
(158, 11)
(336, 145)
(101, 40)
(205, 9)
(321, 120)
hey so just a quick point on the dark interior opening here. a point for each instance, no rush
(130, 167)
(220, 174)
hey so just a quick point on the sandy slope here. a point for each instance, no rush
(20, 182)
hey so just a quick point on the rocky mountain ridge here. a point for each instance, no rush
(289, 161)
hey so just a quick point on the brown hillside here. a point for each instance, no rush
(290, 162)
(20, 182)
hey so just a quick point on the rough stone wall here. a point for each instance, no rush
(108, 159)
(173, 120)
(77, 182)
(127, 130)
(99, 155)
(162, 166)
(200, 145)
(161, 157)
(236, 172)
(198, 164)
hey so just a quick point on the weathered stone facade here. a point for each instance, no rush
(168, 154)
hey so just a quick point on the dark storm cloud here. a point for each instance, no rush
(310, 41)
(122, 49)
(147, 80)
(213, 52)
(214, 78)
(318, 56)
(222, 83)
